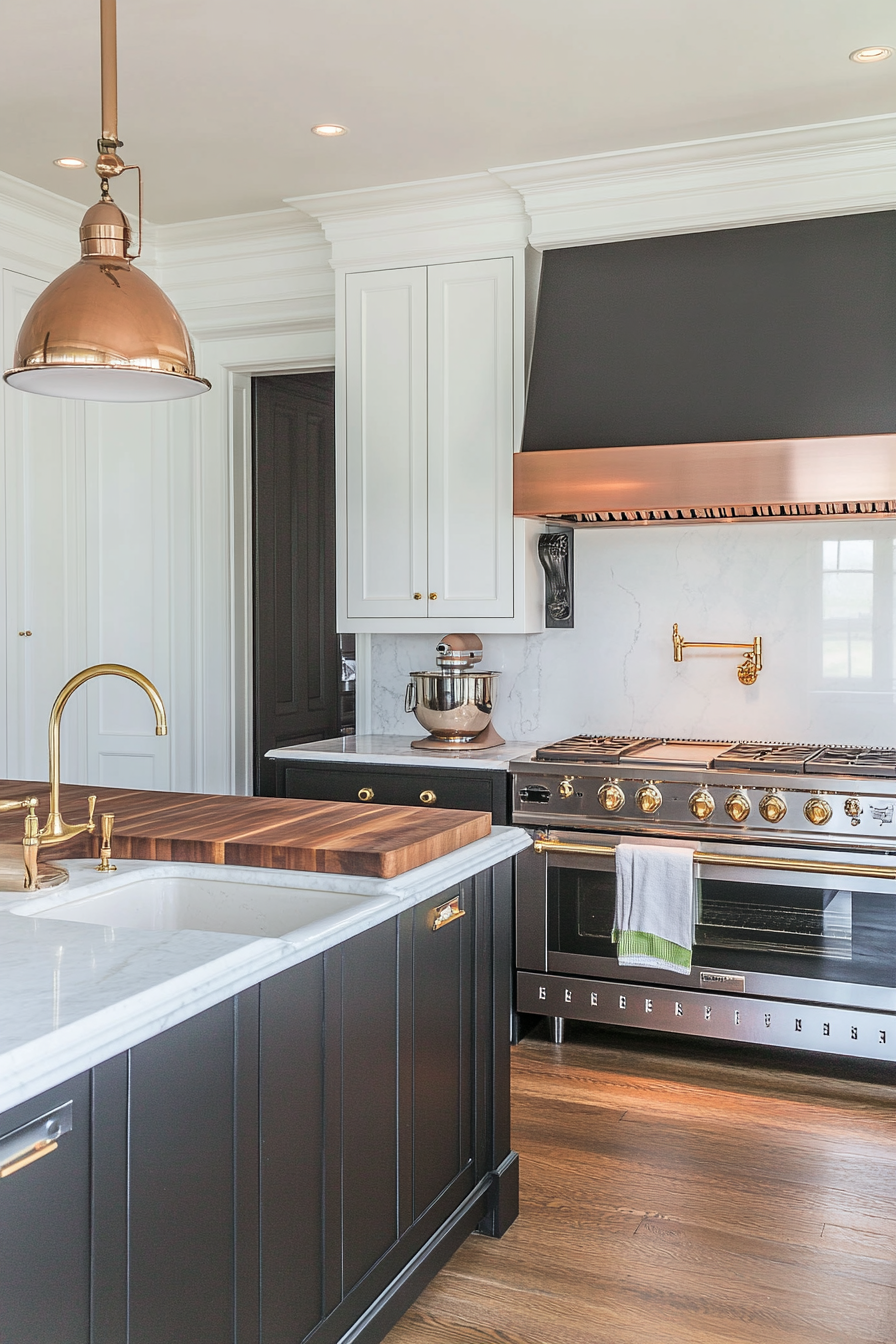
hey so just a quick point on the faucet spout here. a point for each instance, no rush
(56, 830)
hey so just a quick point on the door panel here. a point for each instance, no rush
(385, 336)
(296, 646)
(470, 307)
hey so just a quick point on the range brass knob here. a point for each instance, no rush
(737, 805)
(852, 807)
(611, 797)
(817, 811)
(649, 798)
(565, 788)
(772, 806)
(702, 804)
(427, 796)
(365, 795)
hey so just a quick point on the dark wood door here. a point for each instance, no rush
(296, 654)
(45, 1226)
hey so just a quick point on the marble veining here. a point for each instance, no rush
(393, 749)
(74, 994)
(821, 594)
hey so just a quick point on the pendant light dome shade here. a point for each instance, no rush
(103, 331)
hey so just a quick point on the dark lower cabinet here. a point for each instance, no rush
(45, 1223)
(293, 1164)
(422, 785)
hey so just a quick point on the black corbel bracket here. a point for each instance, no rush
(555, 554)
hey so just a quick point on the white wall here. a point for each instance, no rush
(614, 672)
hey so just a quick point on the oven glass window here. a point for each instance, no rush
(818, 933)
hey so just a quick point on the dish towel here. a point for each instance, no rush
(654, 922)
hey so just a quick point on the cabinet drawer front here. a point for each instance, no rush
(400, 788)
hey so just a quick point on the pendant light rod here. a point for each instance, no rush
(109, 73)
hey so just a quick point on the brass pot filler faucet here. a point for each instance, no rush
(57, 830)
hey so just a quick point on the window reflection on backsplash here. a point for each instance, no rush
(847, 610)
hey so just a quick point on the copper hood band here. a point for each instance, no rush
(765, 478)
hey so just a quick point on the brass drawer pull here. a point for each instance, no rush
(427, 796)
(365, 795)
(41, 1149)
(447, 914)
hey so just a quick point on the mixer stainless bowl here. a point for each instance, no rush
(452, 706)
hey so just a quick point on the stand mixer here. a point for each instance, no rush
(455, 703)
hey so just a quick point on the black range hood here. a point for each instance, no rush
(731, 374)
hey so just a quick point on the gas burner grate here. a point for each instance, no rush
(872, 762)
(770, 757)
(599, 750)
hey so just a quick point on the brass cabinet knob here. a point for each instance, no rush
(565, 788)
(433, 596)
(427, 796)
(365, 795)
(852, 807)
(701, 804)
(418, 597)
(772, 807)
(649, 798)
(737, 805)
(817, 811)
(610, 797)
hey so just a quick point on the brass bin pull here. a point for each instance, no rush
(734, 861)
(447, 914)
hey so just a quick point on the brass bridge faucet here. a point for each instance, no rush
(57, 830)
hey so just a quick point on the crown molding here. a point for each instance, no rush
(412, 223)
(39, 230)
(795, 172)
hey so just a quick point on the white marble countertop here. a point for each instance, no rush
(386, 749)
(75, 994)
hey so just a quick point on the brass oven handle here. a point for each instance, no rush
(734, 861)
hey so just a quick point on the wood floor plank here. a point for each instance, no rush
(682, 1198)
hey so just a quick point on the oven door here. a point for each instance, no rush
(823, 936)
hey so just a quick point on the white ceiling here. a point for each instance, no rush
(217, 96)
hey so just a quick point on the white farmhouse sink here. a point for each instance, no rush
(146, 900)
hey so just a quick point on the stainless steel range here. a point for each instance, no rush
(795, 939)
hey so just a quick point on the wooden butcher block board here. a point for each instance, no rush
(363, 840)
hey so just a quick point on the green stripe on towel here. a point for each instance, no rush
(631, 943)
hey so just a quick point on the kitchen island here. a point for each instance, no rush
(258, 1138)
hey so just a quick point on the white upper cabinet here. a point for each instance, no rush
(431, 385)
(470, 496)
(385, 427)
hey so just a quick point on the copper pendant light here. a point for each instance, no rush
(103, 331)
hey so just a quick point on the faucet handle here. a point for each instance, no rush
(107, 821)
(91, 804)
(10, 805)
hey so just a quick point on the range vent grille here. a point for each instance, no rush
(740, 512)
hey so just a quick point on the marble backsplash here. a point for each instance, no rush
(821, 595)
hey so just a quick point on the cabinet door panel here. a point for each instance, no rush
(291, 1127)
(180, 1197)
(369, 1104)
(442, 1049)
(471, 438)
(45, 1230)
(385, 350)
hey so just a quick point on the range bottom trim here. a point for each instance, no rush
(724, 1017)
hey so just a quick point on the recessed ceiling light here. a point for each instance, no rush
(865, 55)
(70, 163)
(329, 128)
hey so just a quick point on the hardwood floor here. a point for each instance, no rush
(677, 1193)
